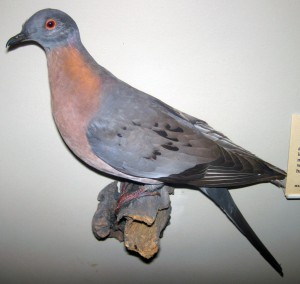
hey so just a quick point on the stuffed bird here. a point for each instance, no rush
(129, 134)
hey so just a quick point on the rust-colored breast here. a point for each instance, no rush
(75, 97)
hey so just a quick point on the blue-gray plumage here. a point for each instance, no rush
(141, 136)
(122, 131)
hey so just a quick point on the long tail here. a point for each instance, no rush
(222, 198)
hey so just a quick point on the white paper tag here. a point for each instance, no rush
(292, 190)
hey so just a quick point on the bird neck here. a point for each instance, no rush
(72, 70)
(71, 61)
(74, 82)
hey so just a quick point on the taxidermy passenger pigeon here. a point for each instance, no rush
(124, 132)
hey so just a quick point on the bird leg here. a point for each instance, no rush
(130, 191)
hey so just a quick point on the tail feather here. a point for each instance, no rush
(222, 198)
(279, 183)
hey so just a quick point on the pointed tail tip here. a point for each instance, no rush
(279, 270)
(222, 198)
(277, 267)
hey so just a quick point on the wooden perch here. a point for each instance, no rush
(139, 221)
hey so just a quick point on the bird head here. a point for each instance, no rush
(49, 28)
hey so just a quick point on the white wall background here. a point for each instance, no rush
(234, 64)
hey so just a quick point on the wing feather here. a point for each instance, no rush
(141, 136)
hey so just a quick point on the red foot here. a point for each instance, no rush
(128, 196)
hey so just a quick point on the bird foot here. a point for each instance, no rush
(129, 192)
(138, 222)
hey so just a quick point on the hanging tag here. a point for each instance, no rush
(292, 190)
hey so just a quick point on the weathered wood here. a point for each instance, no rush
(104, 223)
(138, 222)
(144, 239)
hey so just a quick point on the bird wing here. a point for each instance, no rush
(141, 136)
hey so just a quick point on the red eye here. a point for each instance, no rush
(50, 24)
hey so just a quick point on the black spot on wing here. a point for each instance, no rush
(164, 134)
(154, 155)
(177, 129)
(161, 133)
(170, 147)
(173, 139)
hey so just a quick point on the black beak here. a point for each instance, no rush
(16, 39)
